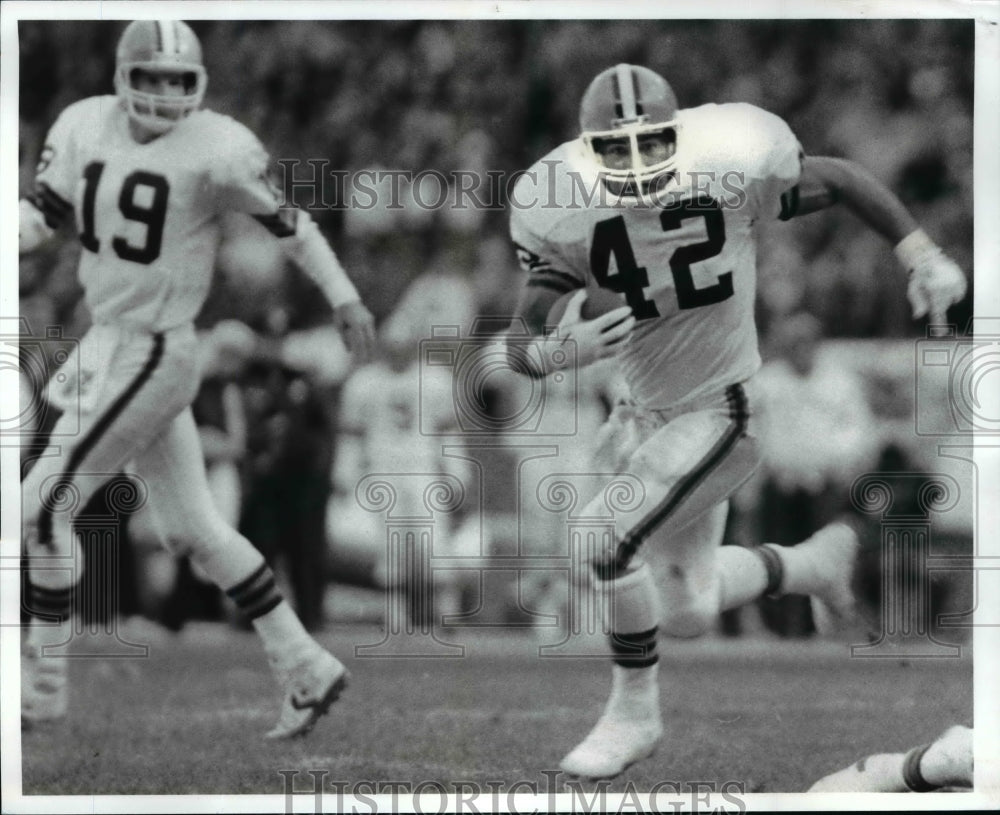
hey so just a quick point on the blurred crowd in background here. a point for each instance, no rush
(278, 429)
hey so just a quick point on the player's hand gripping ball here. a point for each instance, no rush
(596, 320)
(598, 302)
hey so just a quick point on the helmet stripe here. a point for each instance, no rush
(167, 40)
(616, 85)
(635, 91)
(624, 78)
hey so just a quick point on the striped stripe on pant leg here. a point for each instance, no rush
(628, 546)
(94, 435)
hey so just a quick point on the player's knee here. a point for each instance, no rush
(688, 612)
(688, 622)
(653, 468)
(197, 538)
(179, 543)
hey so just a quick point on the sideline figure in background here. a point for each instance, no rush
(395, 417)
(148, 176)
(660, 205)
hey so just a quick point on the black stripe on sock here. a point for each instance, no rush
(630, 544)
(775, 568)
(93, 436)
(245, 584)
(251, 598)
(912, 776)
(264, 608)
(634, 650)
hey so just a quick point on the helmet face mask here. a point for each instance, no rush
(634, 151)
(629, 129)
(150, 49)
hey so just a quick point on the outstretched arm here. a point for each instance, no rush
(303, 243)
(936, 282)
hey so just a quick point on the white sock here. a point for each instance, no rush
(800, 574)
(282, 634)
(635, 692)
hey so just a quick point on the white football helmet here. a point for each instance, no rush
(622, 108)
(159, 47)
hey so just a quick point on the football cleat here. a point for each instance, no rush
(159, 47)
(629, 728)
(628, 126)
(835, 551)
(44, 687)
(309, 687)
(613, 745)
(952, 755)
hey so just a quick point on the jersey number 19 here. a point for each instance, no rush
(152, 215)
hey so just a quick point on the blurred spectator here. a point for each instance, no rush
(904, 582)
(817, 433)
(395, 416)
(290, 443)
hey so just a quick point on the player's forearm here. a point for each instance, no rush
(308, 249)
(826, 181)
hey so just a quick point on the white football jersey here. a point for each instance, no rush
(687, 266)
(148, 214)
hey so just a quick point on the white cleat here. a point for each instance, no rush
(952, 757)
(835, 552)
(613, 745)
(309, 687)
(44, 687)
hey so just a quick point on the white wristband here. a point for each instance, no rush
(914, 248)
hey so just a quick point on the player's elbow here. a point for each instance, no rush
(822, 184)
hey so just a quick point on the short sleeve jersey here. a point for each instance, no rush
(148, 214)
(686, 265)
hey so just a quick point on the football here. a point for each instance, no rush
(598, 302)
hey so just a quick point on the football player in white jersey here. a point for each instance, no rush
(660, 205)
(147, 176)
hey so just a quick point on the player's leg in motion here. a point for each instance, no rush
(310, 678)
(138, 385)
(946, 762)
(689, 467)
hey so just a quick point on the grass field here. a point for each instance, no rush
(772, 716)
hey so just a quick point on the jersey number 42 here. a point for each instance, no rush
(611, 239)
